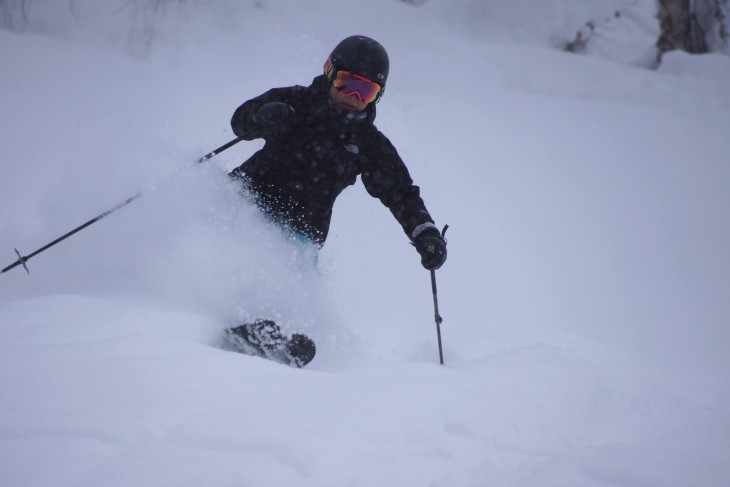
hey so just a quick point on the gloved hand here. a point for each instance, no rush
(273, 117)
(432, 247)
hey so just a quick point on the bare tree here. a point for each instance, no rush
(147, 15)
(14, 14)
(694, 26)
(712, 16)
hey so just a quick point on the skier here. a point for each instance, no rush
(318, 140)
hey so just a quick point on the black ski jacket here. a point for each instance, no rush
(297, 175)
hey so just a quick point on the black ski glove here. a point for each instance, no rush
(432, 247)
(272, 118)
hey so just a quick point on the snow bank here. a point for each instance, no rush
(584, 299)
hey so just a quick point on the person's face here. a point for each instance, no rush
(345, 102)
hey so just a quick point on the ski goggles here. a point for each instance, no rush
(350, 83)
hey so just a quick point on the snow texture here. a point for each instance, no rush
(586, 298)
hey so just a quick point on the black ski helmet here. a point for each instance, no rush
(361, 55)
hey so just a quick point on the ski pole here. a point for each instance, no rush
(22, 260)
(437, 316)
(219, 149)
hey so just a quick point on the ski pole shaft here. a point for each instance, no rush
(220, 149)
(437, 315)
(22, 260)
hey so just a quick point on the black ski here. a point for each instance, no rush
(264, 338)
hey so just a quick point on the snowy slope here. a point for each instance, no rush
(585, 298)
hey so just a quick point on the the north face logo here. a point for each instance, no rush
(352, 148)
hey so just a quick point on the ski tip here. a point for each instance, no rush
(264, 338)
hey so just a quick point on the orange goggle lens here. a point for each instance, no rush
(350, 83)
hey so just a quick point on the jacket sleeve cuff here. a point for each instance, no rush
(422, 228)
